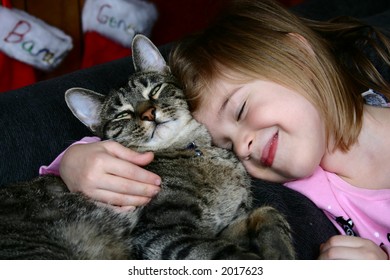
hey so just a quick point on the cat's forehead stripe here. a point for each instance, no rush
(118, 99)
(145, 92)
(143, 81)
(126, 107)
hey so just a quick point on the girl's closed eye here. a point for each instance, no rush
(240, 113)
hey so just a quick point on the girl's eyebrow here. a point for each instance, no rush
(228, 98)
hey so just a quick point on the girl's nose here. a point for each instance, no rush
(242, 147)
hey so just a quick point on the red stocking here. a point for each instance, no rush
(27, 43)
(109, 27)
(14, 74)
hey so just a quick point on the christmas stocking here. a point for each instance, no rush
(27, 43)
(109, 27)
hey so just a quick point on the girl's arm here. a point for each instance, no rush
(54, 167)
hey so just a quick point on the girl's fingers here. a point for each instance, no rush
(129, 171)
(127, 154)
(339, 240)
(127, 164)
(120, 200)
(124, 186)
(350, 247)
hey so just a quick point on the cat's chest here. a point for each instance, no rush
(194, 155)
(200, 165)
(211, 181)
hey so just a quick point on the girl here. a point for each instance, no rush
(288, 96)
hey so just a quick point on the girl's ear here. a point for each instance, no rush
(85, 105)
(302, 41)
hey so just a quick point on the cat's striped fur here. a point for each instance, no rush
(204, 208)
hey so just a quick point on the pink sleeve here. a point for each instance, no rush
(54, 167)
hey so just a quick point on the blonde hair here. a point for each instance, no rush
(262, 40)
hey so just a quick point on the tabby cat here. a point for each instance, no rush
(204, 208)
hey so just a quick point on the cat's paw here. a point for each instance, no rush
(270, 234)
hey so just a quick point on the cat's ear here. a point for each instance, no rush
(85, 105)
(146, 56)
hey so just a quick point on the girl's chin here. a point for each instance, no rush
(269, 174)
(300, 173)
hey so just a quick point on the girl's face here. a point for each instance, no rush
(277, 133)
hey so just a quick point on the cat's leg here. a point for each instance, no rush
(264, 231)
(174, 245)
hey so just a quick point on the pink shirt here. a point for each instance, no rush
(354, 211)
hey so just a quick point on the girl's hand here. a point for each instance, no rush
(351, 248)
(108, 172)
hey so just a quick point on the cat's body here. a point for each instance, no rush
(202, 212)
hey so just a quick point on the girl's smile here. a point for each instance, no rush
(269, 151)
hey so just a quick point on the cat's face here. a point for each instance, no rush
(148, 113)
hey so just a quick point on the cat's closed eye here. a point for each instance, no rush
(123, 115)
(155, 92)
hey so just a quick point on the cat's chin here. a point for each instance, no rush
(162, 131)
(169, 134)
(164, 135)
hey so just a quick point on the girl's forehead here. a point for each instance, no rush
(216, 95)
(216, 102)
(212, 99)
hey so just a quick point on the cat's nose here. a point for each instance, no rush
(149, 114)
